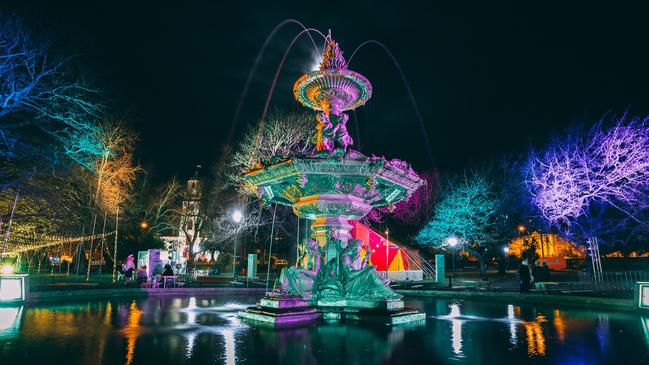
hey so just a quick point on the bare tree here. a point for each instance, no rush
(115, 169)
(281, 136)
(588, 170)
(39, 90)
(161, 212)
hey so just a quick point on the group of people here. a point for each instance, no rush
(533, 274)
(141, 276)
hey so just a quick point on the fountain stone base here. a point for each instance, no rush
(278, 311)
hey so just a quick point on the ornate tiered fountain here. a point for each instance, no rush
(331, 187)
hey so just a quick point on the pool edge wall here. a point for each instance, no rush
(618, 304)
(56, 295)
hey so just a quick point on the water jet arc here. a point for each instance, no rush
(406, 84)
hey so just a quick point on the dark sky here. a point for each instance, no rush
(487, 81)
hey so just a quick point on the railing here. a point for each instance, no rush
(419, 263)
(616, 280)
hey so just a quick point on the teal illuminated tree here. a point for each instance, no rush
(466, 210)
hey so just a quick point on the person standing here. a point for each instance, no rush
(537, 275)
(545, 271)
(525, 277)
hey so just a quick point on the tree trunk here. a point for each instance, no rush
(482, 265)
(502, 264)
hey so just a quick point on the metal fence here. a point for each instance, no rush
(615, 280)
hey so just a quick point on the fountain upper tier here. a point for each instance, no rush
(333, 88)
(328, 186)
(335, 181)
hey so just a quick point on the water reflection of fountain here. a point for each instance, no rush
(458, 321)
(534, 334)
(533, 330)
(191, 320)
(228, 336)
(513, 323)
(10, 321)
(456, 329)
(228, 331)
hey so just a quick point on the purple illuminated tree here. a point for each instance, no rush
(592, 174)
(416, 210)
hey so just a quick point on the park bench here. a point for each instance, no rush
(545, 286)
(478, 284)
(564, 287)
(206, 280)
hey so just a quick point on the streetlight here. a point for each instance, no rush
(144, 225)
(506, 250)
(237, 217)
(387, 252)
(521, 228)
(7, 270)
(452, 241)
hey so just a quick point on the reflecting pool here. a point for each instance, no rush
(205, 330)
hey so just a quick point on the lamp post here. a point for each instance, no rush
(387, 251)
(452, 242)
(115, 249)
(237, 217)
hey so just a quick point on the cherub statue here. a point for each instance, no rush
(340, 132)
(325, 133)
(332, 129)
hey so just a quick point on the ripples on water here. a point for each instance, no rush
(203, 330)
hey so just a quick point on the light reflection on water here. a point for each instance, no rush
(10, 320)
(132, 331)
(207, 330)
(535, 336)
(645, 328)
(513, 322)
(533, 329)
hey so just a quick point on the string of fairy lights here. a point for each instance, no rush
(25, 243)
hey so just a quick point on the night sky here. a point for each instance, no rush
(487, 81)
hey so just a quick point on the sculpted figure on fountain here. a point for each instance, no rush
(362, 282)
(332, 132)
(300, 281)
(348, 276)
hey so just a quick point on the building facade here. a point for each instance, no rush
(186, 243)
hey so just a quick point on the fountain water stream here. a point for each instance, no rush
(406, 84)
(332, 186)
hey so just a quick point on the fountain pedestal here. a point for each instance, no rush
(279, 311)
(276, 311)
